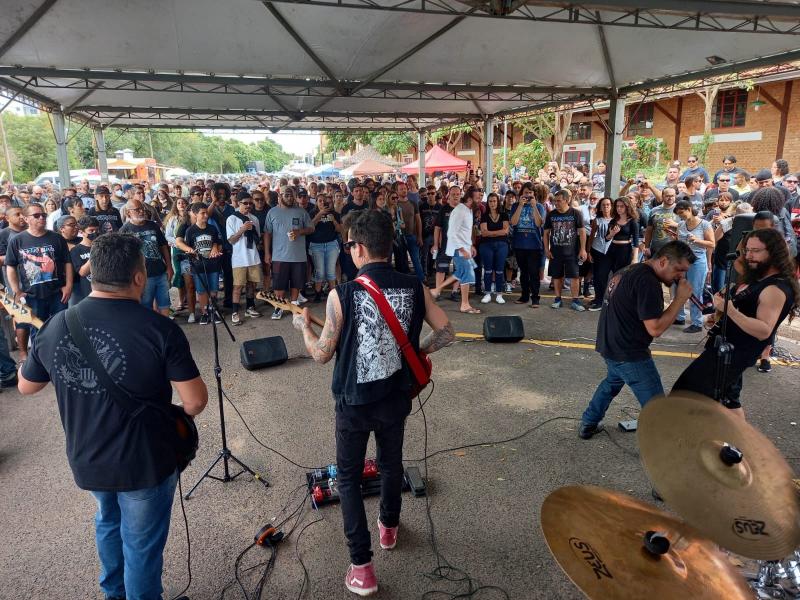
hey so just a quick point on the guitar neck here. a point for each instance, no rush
(283, 305)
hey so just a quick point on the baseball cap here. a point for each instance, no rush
(763, 175)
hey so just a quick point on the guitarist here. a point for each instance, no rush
(372, 381)
(767, 294)
(128, 464)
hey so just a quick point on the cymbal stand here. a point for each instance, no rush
(777, 579)
(722, 346)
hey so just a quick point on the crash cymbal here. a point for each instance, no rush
(750, 507)
(598, 538)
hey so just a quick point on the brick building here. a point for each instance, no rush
(756, 126)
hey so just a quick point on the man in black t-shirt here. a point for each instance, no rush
(428, 211)
(156, 254)
(358, 202)
(79, 255)
(16, 223)
(440, 235)
(565, 247)
(632, 315)
(107, 216)
(38, 268)
(127, 462)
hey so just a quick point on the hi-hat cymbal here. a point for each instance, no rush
(750, 507)
(598, 538)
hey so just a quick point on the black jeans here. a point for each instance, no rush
(227, 277)
(700, 376)
(601, 267)
(528, 262)
(352, 434)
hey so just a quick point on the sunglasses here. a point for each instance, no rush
(349, 245)
(245, 204)
(691, 161)
(723, 180)
(38, 216)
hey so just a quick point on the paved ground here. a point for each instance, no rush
(484, 501)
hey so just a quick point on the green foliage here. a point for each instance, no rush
(387, 143)
(534, 155)
(33, 149)
(450, 131)
(645, 156)
(700, 149)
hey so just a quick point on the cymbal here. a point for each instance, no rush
(597, 536)
(750, 507)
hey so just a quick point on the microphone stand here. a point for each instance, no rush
(722, 346)
(225, 455)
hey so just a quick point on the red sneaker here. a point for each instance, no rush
(361, 579)
(388, 536)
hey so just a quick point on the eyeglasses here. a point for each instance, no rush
(721, 180)
(136, 210)
(691, 161)
(349, 245)
(38, 216)
(790, 180)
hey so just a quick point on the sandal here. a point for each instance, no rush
(520, 301)
(471, 311)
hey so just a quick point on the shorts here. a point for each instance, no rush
(443, 262)
(245, 275)
(157, 289)
(288, 275)
(186, 267)
(463, 270)
(561, 266)
(200, 282)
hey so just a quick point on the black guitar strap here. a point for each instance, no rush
(77, 332)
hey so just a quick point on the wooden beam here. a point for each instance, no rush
(678, 117)
(787, 100)
(771, 99)
(666, 113)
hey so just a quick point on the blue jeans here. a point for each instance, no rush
(697, 277)
(157, 289)
(413, 251)
(8, 368)
(493, 255)
(324, 256)
(641, 376)
(717, 278)
(131, 530)
(44, 308)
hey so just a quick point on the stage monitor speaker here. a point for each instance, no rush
(503, 329)
(263, 352)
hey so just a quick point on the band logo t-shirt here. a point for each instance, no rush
(152, 241)
(564, 229)
(39, 262)
(634, 295)
(82, 285)
(202, 241)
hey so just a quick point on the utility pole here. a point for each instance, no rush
(5, 149)
(150, 141)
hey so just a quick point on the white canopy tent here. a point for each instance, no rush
(409, 65)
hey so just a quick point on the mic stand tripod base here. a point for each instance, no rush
(226, 456)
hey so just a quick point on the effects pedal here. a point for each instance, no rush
(414, 481)
(322, 482)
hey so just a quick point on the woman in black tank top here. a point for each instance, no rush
(623, 233)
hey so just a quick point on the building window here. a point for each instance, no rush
(580, 131)
(730, 108)
(528, 137)
(640, 119)
(577, 157)
(466, 141)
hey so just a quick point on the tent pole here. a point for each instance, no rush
(488, 139)
(616, 120)
(421, 154)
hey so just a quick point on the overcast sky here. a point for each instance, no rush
(295, 143)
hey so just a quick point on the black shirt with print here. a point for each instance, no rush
(202, 240)
(40, 262)
(152, 241)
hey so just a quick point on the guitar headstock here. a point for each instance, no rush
(277, 302)
(19, 310)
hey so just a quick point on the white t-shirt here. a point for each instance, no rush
(242, 256)
(459, 230)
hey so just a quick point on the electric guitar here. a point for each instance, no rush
(19, 310)
(284, 305)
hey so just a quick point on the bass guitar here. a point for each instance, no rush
(284, 305)
(19, 310)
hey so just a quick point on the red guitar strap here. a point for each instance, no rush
(414, 363)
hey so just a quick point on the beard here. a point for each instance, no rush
(755, 271)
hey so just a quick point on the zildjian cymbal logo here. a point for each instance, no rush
(749, 529)
(585, 551)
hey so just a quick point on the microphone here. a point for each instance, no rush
(696, 301)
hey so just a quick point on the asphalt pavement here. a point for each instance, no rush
(484, 500)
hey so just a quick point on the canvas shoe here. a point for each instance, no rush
(361, 579)
(388, 536)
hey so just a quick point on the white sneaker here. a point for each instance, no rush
(499, 299)
(486, 298)
(509, 288)
(301, 299)
(191, 318)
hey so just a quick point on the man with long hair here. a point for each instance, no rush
(766, 295)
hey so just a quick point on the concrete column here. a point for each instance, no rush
(421, 153)
(102, 158)
(616, 122)
(505, 144)
(60, 131)
(488, 149)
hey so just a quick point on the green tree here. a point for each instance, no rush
(391, 143)
(533, 155)
(647, 155)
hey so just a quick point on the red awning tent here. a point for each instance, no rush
(437, 159)
(367, 167)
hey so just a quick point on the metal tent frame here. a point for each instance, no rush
(390, 65)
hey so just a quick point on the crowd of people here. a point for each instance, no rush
(556, 228)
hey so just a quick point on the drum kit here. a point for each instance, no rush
(733, 490)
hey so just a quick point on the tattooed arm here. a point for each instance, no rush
(322, 348)
(443, 333)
